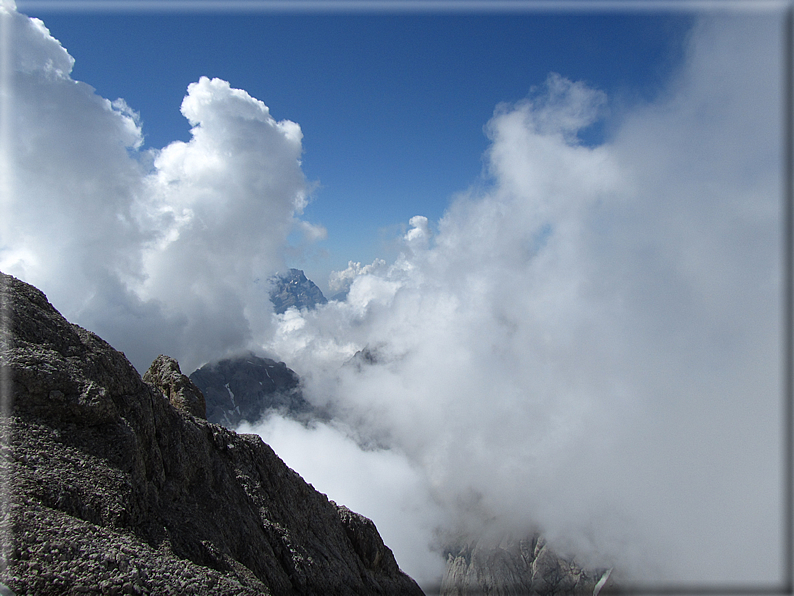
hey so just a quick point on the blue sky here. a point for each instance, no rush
(392, 107)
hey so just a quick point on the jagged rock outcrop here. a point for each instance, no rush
(183, 394)
(248, 387)
(511, 567)
(294, 289)
(116, 491)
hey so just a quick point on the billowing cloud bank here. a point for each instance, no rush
(589, 346)
(157, 251)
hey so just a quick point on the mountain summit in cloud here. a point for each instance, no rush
(249, 387)
(293, 290)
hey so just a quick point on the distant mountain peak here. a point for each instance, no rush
(293, 288)
(248, 387)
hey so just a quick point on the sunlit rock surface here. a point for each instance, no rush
(165, 375)
(116, 491)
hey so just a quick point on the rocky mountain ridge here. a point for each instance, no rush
(121, 487)
(248, 387)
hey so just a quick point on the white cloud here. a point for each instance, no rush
(561, 108)
(164, 251)
(340, 281)
(35, 50)
(591, 346)
(419, 234)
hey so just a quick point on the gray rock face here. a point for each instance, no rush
(164, 374)
(247, 387)
(294, 289)
(116, 491)
(511, 567)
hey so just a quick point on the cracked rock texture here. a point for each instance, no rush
(183, 394)
(114, 490)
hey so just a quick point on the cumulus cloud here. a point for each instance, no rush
(340, 281)
(164, 250)
(561, 107)
(419, 234)
(591, 346)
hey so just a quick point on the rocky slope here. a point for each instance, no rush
(517, 567)
(248, 387)
(120, 487)
(242, 388)
(294, 289)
